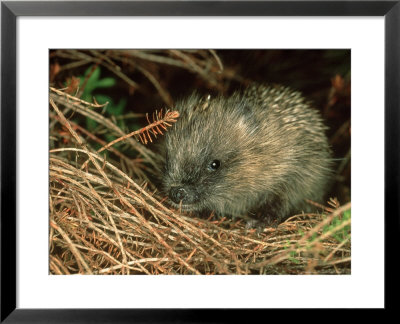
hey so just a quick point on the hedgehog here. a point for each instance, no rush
(260, 154)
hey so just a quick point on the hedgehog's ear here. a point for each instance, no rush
(204, 103)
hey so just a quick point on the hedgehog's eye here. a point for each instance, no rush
(214, 165)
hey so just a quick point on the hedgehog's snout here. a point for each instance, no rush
(178, 194)
(184, 194)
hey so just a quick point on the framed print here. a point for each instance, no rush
(165, 155)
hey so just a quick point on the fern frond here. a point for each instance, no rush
(153, 129)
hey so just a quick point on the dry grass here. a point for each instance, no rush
(104, 221)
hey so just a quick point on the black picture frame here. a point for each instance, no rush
(11, 10)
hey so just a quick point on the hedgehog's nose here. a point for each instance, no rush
(177, 194)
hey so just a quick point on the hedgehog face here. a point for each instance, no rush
(209, 182)
(190, 193)
(191, 178)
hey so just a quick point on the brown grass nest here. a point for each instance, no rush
(107, 217)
